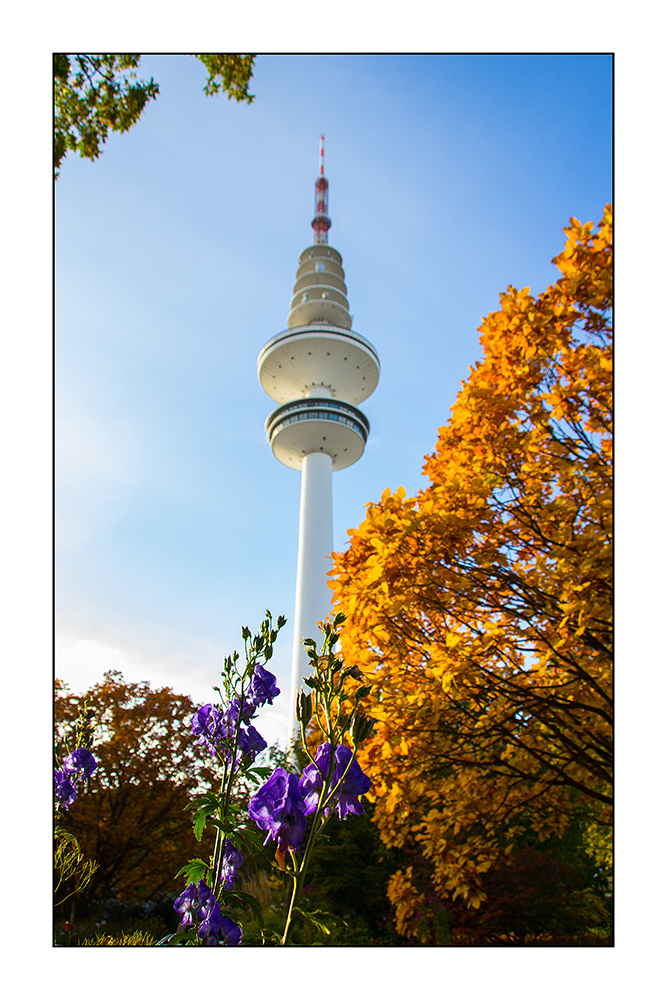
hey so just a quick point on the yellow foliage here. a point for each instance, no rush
(481, 608)
(409, 905)
(140, 939)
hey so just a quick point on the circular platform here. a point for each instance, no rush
(296, 360)
(304, 426)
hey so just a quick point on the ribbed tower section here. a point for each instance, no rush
(317, 370)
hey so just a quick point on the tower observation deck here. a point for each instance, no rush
(317, 370)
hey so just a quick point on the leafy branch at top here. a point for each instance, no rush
(96, 94)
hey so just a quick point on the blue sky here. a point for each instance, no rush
(450, 178)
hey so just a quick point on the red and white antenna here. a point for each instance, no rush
(321, 222)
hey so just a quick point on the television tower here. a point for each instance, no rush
(317, 370)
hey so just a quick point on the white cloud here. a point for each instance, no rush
(83, 662)
(191, 667)
(97, 464)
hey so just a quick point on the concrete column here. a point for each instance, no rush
(313, 597)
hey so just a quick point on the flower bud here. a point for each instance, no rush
(304, 708)
(362, 727)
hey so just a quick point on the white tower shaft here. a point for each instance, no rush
(313, 596)
(317, 370)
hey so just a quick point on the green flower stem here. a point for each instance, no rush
(233, 761)
(315, 830)
(223, 813)
(217, 850)
(300, 877)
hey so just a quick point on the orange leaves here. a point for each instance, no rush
(482, 606)
(586, 263)
(409, 906)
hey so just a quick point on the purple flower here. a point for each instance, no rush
(186, 904)
(205, 897)
(211, 925)
(263, 687)
(231, 862)
(231, 932)
(209, 915)
(314, 776)
(354, 784)
(64, 789)
(237, 707)
(346, 797)
(251, 742)
(199, 903)
(278, 808)
(208, 723)
(81, 760)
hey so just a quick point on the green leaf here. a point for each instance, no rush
(194, 870)
(199, 823)
(166, 940)
(313, 918)
(362, 692)
(251, 840)
(263, 772)
(171, 940)
(201, 801)
(205, 805)
(268, 935)
(221, 825)
(248, 900)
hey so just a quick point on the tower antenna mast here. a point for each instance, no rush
(321, 222)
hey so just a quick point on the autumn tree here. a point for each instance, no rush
(481, 608)
(131, 818)
(533, 897)
(94, 94)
